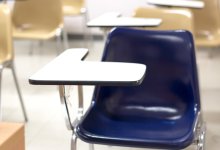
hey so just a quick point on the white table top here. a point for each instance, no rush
(179, 3)
(65, 70)
(113, 19)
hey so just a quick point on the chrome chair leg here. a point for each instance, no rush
(31, 50)
(62, 93)
(201, 137)
(73, 142)
(87, 32)
(59, 45)
(19, 93)
(71, 122)
(91, 146)
(80, 98)
(65, 39)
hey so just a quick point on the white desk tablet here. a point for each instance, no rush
(68, 69)
(178, 3)
(113, 20)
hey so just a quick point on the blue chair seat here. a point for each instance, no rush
(126, 127)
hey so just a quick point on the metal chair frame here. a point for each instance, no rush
(7, 55)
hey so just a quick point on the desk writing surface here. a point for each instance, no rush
(179, 3)
(116, 21)
(66, 71)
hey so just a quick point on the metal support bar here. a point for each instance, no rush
(73, 142)
(80, 98)
(200, 132)
(65, 39)
(91, 146)
(65, 108)
(59, 41)
(69, 124)
(19, 93)
(63, 99)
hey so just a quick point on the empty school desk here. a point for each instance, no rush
(68, 69)
(178, 3)
(114, 19)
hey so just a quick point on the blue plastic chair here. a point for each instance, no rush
(164, 112)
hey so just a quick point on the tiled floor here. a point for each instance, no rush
(46, 129)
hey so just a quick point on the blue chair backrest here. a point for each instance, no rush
(170, 86)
